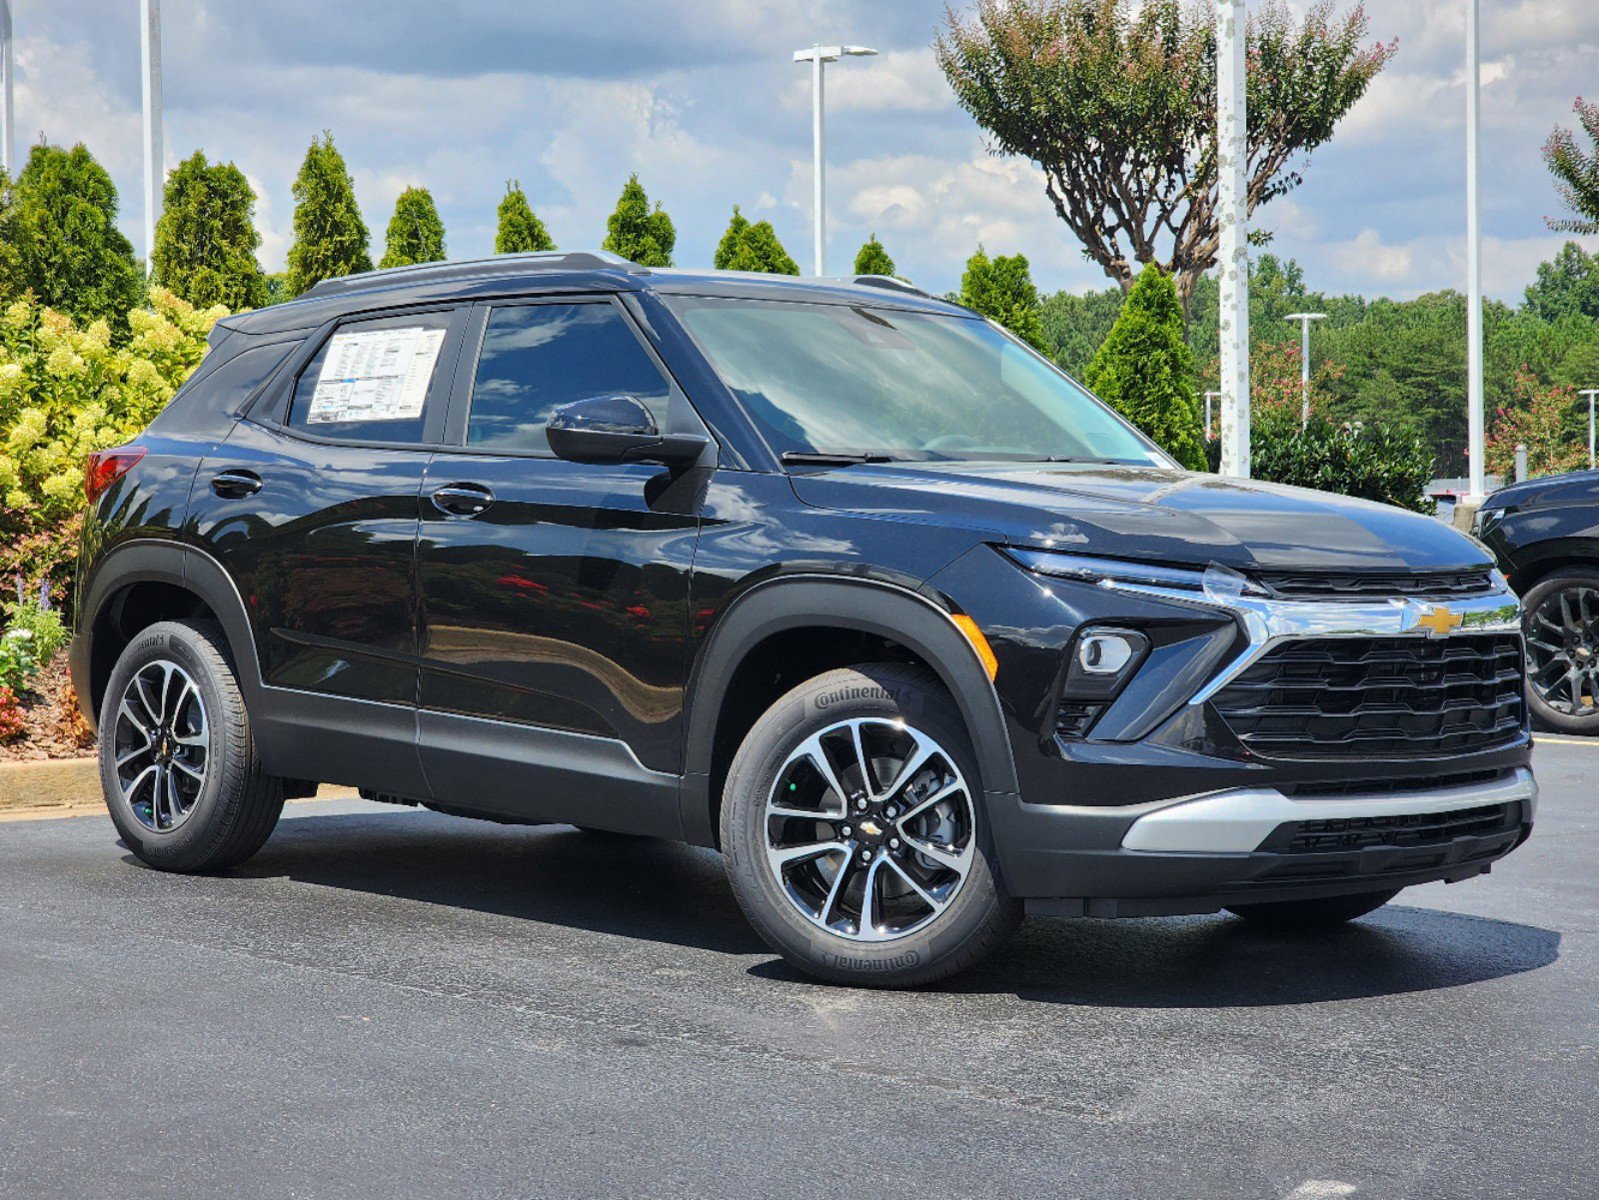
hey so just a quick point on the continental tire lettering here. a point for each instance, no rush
(858, 692)
(846, 962)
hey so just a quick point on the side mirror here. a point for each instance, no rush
(616, 429)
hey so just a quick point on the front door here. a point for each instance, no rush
(554, 594)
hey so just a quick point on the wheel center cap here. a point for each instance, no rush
(871, 828)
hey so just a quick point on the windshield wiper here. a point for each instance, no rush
(831, 458)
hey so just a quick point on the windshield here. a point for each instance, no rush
(835, 379)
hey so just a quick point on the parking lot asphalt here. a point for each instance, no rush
(388, 1002)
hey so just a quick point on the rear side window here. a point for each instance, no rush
(537, 357)
(214, 399)
(374, 381)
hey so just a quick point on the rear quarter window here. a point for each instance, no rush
(213, 397)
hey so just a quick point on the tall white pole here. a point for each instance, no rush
(154, 162)
(818, 181)
(1304, 373)
(1474, 423)
(1590, 393)
(1233, 214)
(7, 72)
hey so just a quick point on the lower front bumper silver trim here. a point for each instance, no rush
(1238, 820)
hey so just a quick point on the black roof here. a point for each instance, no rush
(554, 271)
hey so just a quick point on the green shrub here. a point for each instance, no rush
(19, 661)
(44, 627)
(1387, 464)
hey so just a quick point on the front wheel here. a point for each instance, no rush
(178, 762)
(1289, 916)
(1561, 621)
(855, 835)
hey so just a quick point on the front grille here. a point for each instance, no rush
(1412, 830)
(1378, 697)
(1375, 585)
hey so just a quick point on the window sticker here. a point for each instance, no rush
(376, 375)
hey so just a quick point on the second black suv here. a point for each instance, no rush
(833, 576)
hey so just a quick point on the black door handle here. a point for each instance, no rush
(462, 499)
(235, 484)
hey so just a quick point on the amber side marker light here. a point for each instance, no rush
(105, 467)
(974, 635)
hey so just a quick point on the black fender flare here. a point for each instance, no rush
(150, 560)
(866, 606)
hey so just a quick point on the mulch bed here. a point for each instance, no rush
(54, 728)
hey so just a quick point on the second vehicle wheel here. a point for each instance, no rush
(1561, 618)
(177, 760)
(1324, 913)
(854, 831)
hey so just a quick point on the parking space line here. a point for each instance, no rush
(1539, 739)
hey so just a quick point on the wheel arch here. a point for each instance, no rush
(856, 613)
(144, 581)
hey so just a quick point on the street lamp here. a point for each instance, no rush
(1304, 319)
(1210, 432)
(1232, 214)
(150, 45)
(817, 56)
(1474, 421)
(7, 70)
(1590, 393)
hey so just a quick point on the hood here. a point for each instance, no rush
(1574, 487)
(1148, 513)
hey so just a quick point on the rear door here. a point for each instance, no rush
(555, 593)
(311, 505)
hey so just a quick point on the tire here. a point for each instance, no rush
(1292, 916)
(1562, 649)
(174, 689)
(929, 916)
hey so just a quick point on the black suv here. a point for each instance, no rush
(833, 576)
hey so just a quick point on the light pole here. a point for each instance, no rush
(1210, 428)
(150, 45)
(7, 70)
(818, 56)
(1590, 393)
(1233, 214)
(1474, 423)
(1304, 319)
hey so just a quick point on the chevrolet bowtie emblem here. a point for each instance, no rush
(1436, 619)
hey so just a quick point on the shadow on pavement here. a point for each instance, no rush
(661, 891)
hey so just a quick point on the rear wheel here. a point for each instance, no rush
(854, 832)
(178, 763)
(1561, 619)
(1323, 913)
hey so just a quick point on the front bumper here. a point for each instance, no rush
(1200, 854)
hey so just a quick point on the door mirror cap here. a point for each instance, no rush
(617, 429)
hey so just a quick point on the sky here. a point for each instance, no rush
(702, 99)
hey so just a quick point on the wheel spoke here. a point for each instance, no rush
(817, 753)
(927, 802)
(179, 765)
(913, 766)
(954, 859)
(790, 855)
(868, 923)
(868, 781)
(845, 870)
(927, 896)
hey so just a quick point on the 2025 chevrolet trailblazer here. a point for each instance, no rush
(831, 575)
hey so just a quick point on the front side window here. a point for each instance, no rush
(537, 357)
(371, 380)
(830, 378)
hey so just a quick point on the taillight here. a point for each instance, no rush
(105, 467)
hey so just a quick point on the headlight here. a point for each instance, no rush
(1215, 581)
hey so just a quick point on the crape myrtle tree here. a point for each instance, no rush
(59, 239)
(330, 238)
(636, 231)
(1116, 103)
(1001, 288)
(1145, 369)
(415, 233)
(519, 230)
(872, 259)
(206, 239)
(752, 247)
(1576, 170)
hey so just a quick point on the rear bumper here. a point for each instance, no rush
(1242, 845)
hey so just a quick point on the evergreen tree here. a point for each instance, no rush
(747, 247)
(1002, 289)
(206, 239)
(872, 259)
(59, 238)
(415, 233)
(330, 238)
(637, 232)
(1146, 371)
(1566, 284)
(520, 231)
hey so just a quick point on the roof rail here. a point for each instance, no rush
(499, 264)
(892, 283)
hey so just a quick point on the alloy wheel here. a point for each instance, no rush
(161, 745)
(870, 830)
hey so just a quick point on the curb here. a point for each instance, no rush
(70, 787)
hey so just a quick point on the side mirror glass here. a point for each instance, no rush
(615, 429)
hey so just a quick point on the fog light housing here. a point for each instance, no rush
(1100, 662)
(1105, 652)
